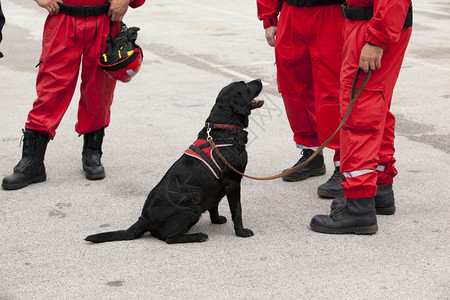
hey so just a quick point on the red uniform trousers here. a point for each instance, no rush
(308, 57)
(67, 42)
(367, 139)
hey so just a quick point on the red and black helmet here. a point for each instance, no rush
(124, 57)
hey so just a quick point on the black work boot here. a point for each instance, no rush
(315, 168)
(92, 154)
(384, 200)
(332, 188)
(348, 216)
(30, 168)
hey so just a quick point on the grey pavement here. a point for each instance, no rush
(192, 49)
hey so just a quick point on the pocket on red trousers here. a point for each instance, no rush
(367, 112)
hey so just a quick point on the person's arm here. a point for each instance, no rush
(271, 32)
(50, 5)
(268, 11)
(387, 22)
(370, 57)
(385, 27)
(118, 8)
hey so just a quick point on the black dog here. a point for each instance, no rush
(199, 179)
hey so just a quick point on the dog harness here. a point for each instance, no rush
(202, 151)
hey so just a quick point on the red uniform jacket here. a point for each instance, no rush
(388, 19)
(384, 28)
(268, 11)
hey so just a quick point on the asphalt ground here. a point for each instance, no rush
(192, 49)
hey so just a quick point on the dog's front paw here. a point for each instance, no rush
(218, 220)
(244, 232)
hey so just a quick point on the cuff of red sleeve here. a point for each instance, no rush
(372, 39)
(136, 3)
(270, 22)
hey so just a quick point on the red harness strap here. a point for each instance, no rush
(201, 150)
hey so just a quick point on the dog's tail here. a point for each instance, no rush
(134, 232)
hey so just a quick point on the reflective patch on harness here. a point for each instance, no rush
(202, 151)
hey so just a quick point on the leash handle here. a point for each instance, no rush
(353, 97)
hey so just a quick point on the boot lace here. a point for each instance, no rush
(306, 153)
(336, 177)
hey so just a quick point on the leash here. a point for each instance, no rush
(353, 97)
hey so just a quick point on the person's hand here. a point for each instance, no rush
(50, 5)
(271, 32)
(118, 9)
(370, 57)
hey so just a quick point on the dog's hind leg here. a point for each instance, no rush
(188, 238)
(215, 217)
(174, 230)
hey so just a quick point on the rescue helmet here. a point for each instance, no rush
(124, 57)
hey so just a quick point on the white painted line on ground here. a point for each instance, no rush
(222, 68)
(253, 18)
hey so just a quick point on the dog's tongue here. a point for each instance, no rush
(256, 103)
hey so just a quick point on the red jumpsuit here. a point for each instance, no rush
(67, 42)
(367, 139)
(308, 57)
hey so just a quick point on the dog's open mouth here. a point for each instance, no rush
(256, 103)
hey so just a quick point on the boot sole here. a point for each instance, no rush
(328, 194)
(356, 230)
(95, 177)
(39, 178)
(294, 178)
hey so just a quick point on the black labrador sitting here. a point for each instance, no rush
(199, 179)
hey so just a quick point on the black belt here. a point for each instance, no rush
(366, 13)
(84, 11)
(309, 3)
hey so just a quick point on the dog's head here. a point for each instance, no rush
(235, 102)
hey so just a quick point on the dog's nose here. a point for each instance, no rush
(256, 81)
